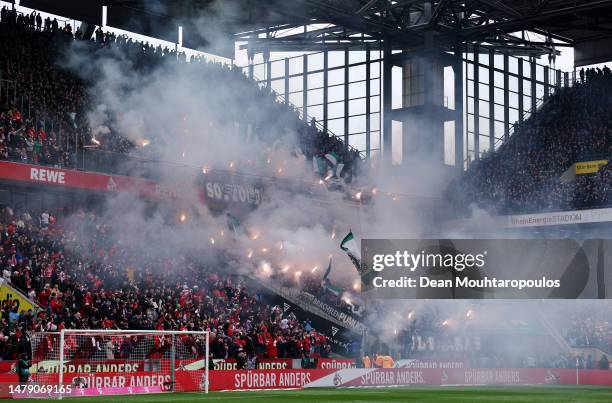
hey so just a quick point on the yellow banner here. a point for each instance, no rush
(589, 167)
(8, 293)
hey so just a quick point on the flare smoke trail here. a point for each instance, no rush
(187, 114)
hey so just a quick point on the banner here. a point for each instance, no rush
(589, 167)
(71, 179)
(462, 377)
(223, 189)
(266, 363)
(218, 189)
(93, 366)
(309, 303)
(340, 339)
(183, 380)
(335, 363)
(430, 364)
(15, 298)
(249, 380)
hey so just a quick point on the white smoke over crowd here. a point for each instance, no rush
(189, 118)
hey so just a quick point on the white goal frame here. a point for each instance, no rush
(110, 332)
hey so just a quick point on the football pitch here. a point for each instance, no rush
(552, 394)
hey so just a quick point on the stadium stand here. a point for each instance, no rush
(50, 98)
(524, 174)
(80, 286)
(102, 284)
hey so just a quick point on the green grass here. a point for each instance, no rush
(537, 394)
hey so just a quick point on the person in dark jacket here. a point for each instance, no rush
(23, 369)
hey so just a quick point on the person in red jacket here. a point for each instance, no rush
(272, 351)
(44, 295)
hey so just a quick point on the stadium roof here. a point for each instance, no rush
(404, 22)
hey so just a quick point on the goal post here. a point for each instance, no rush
(121, 361)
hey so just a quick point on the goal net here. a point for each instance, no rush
(100, 362)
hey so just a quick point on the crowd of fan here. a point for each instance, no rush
(525, 173)
(590, 331)
(32, 53)
(100, 283)
(21, 141)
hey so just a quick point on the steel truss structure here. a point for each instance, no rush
(491, 46)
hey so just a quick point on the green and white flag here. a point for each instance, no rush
(326, 283)
(233, 224)
(333, 158)
(336, 165)
(349, 245)
(319, 165)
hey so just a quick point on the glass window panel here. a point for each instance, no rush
(470, 105)
(358, 141)
(470, 89)
(484, 126)
(513, 65)
(513, 100)
(278, 69)
(539, 72)
(483, 91)
(357, 56)
(527, 103)
(375, 69)
(296, 65)
(374, 139)
(374, 104)
(499, 61)
(335, 77)
(259, 72)
(374, 121)
(296, 84)
(335, 110)
(316, 112)
(357, 106)
(513, 83)
(335, 59)
(526, 68)
(498, 79)
(357, 124)
(336, 126)
(539, 91)
(484, 108)
(514, 115)
(498, 110)
(483, 75)
(498, 95)
(296, 99)
(375, 87)
(335, 93)
(315, 80)
(499, 129)
(357, 89)
(357, 73)
(484, 145)
(527, 87)
(315, 97)
(315, 61)
(483, 58)
(278, 86)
